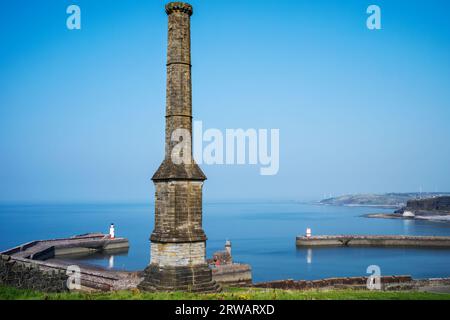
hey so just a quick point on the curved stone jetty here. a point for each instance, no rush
(43, 264)
(373, 241)
(82, 244)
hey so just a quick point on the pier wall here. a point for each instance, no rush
(52, 276)
(27, 266)
(373, 241)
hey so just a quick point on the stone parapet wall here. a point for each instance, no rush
(232, 274)
(353, 282)
(29, 275)
(388, 283)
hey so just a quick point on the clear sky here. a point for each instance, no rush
(82, 111)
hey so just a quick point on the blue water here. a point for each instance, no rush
(262, 234)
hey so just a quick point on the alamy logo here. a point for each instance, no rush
(73, 22)
(374, 280)
(374, 20)
(74, 279)
(235, 147)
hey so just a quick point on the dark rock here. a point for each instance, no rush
(429, 204)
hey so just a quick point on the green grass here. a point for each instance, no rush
(7, 293)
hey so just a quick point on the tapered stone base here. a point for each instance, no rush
(197, 278)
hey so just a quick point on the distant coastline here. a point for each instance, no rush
(428, 206)
(386, 200)
(434, 218)
(381, 206)
(435, 208)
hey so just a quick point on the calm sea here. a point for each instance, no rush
(262, 234)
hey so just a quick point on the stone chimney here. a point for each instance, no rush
(178, 242)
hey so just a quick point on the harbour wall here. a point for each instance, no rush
(373, 241)
(27, 266)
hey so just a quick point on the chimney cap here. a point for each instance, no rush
(179, 6)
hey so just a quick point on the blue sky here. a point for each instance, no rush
(82, 112)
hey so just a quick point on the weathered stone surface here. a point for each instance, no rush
(178, 254)
(5, 257)
(349, 282)
(169, 171)
(233, 274)
(178, 240)
(388, 283)
(196, 278)
(178, 212)
(179, 6)
(25, 275)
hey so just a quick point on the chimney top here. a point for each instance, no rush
(179, 6)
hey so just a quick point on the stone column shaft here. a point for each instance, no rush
(178, 242)
(179, 83)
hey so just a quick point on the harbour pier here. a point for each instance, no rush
(372, 241)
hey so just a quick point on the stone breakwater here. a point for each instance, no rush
(388, 283)
(28, 266)
(83, 244)
(373, 241)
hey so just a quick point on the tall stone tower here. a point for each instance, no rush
(178, 242)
